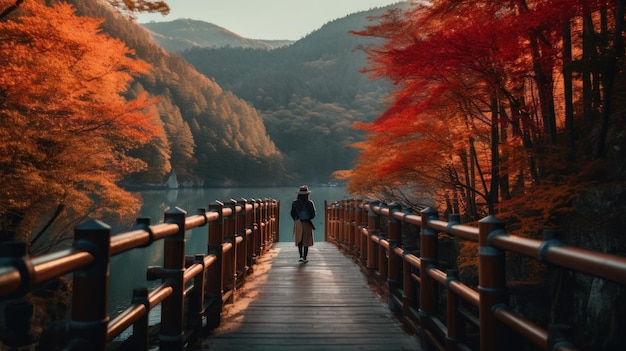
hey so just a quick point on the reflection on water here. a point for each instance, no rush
(128, 270)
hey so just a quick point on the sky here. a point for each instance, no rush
(265, 19)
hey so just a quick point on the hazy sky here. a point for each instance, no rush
(266, 19)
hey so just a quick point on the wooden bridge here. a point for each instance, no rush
(329, 303)
(325, 304)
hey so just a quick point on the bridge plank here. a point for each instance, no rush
(325, 304)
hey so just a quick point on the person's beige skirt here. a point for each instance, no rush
(303, 231)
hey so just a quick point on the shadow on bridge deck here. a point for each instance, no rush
(325, 304)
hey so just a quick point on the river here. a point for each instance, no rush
(128, 270)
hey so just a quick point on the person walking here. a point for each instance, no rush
(302, 212)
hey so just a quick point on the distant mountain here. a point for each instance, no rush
(310, 93)
(182, 34)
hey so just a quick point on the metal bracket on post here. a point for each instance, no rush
(15, 254)
(143, 223)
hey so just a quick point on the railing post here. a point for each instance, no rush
(363, 238)
(342, 223)
(394, 279)
(242, 250)
(339, 223)
(428, 286)
(408, 288)
(277, 219)
(383, 262)
(334, 218)
(274, 220)
(372, 228)
(140, 339)
(230, 260)
(20, 311)
(354, 223)
(326, 220)
(195, 311)
(559, 334)
(455, 321)
(267, 223)
(249, 220)
(491, 284)
(340, 212)
(334, 224)
(345, 224)
(256, 229)
(214, 281)
(172, 308)
(90, 307)
(263, 225)
(351, 225)
(454, 324)
(356, 230)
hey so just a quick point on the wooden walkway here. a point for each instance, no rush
(325, 304)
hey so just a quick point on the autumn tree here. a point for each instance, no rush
(129, 6)
(446, 92)
(66, 125)
(479, 84)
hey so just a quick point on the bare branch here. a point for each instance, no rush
(11, 8)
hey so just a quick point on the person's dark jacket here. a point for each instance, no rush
(303, 209)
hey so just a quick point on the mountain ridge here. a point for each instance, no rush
(185, 33)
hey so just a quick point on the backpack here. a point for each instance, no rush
(303, 214)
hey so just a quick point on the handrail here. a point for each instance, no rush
(414, 281)
(238, 232)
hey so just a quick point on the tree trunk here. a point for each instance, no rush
(495, 157)
(618, 51)
(504, 158)
(11, 8)
(568, 91)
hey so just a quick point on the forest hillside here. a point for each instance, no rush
(212, 136)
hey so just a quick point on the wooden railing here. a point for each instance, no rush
(415, 282)
(193, 288)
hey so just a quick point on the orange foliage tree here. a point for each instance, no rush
(130, 6)
(483, 115)
(66, 123)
